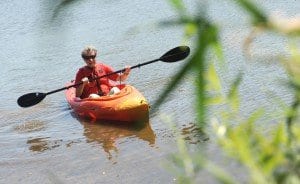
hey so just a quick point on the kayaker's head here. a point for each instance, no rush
(89, 54)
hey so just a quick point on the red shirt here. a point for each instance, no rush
(99, 70)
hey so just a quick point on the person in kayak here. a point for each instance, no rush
(100, 87)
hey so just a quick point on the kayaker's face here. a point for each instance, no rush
(90, 59)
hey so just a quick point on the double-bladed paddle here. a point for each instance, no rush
(173, 55)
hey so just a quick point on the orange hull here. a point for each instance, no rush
(128, 106)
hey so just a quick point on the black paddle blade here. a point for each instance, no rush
(31, 99)
(176, 54)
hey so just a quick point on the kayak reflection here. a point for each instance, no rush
(107, 133)
(102, 133)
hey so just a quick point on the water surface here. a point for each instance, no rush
(40, 51)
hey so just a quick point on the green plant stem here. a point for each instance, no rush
(291, 118)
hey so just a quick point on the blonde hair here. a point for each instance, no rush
(88, 49)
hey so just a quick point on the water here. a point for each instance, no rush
(40, 51)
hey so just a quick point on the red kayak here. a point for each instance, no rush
(127, 106)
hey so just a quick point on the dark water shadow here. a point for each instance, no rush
(107, 133)
(192, 134)
(42, 144)
(62, 6)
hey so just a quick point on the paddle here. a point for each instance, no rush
(173, 55)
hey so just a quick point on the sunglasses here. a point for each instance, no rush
(89, 57)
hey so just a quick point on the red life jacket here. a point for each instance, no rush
(99, 85)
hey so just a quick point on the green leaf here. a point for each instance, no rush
(190, 29)
(212, 79)
(233, 96)
(215, 100)
(178, 5)
(258, 16)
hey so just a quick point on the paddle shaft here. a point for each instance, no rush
(102, 76)
(173, 55)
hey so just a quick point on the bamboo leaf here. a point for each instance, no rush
(178, 5)
(215, 100)
(212, 78)
(258, 16)
(233, 96)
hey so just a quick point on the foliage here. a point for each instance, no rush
(271, 157)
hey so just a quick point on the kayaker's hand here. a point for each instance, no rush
(85, 80)
(127, 70)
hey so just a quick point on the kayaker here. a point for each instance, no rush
(92, 69)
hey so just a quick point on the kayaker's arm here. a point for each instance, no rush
(124, 76)
(79, 88)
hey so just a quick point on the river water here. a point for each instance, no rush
(40, 46)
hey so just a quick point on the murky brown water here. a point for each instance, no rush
(40, 51)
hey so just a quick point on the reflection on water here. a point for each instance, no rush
(42, 144)
(193, 134)
(106, 134)
(30, 126)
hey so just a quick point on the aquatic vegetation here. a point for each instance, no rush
(268, 157)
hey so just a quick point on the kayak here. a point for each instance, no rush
(127, 106)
